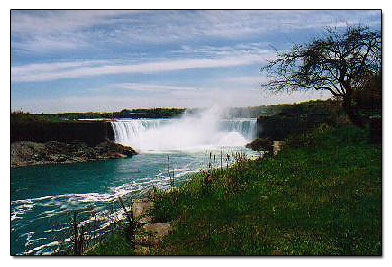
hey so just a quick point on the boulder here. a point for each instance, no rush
(140, 208)
(261, 144)
(117, 156)
(108, 147)
(158, 229)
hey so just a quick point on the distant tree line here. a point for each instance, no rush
(125, 113)
(313, 106)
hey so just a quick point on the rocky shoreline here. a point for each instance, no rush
(26, 153)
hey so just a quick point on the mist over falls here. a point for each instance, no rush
(206, 130)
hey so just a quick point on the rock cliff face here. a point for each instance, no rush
(40, 142)
(91, 133)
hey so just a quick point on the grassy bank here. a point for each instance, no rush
(116, 245)
(320, 196)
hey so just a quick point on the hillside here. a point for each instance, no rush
(322, 198)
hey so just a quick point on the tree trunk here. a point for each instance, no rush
(355, 118)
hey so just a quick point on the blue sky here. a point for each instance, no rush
(77, 61)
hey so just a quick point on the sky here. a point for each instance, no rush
(108, 60)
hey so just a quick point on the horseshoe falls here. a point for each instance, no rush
(190, 133)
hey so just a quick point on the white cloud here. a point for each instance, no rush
(245, 79)
(33, 69)
(152, 36)
(66, 70)
(42, 31)
(143, 87)
(39, 22)
(241, 96)
(57, 30)
(241, 49)
(48, 43)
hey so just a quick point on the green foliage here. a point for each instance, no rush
(149, 113)
(308, 138)
(19, 116)
(295, 120)
(127, 113)
(368, 97)
(322, 198)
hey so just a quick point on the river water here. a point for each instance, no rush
(43, 198)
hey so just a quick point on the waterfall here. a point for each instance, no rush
(246, 127)
(182, 134)
(129, 131)
(204, 131)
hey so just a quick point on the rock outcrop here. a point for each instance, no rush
(261, 144)
(25, 153)
(149, 235)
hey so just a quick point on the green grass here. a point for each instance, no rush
(116, 244)
(319, 198)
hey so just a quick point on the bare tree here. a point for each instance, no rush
(339, 62)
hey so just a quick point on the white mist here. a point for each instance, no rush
(206, 130)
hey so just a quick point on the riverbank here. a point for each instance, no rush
(320, 195)
(26, 153)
